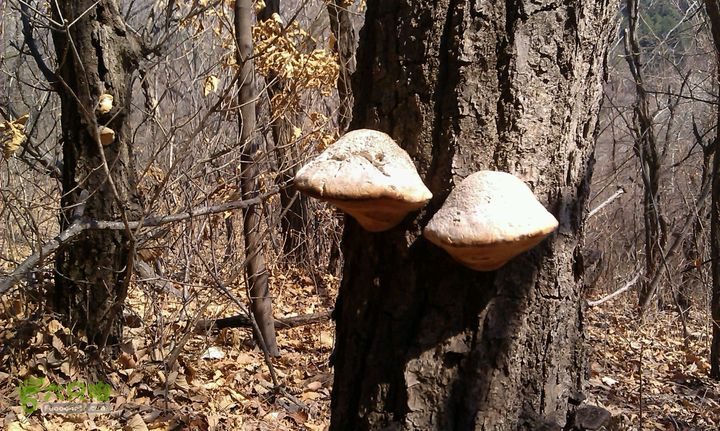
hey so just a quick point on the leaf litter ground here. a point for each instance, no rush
(220, 382)
(649, 373)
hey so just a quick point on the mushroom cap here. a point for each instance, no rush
(107, 135)
(367, 175)
(105, 103)
(488, 219)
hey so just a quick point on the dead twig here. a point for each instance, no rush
(607, 202)
(82, 224)
(626, 287)
(243, 321)
(655, 282)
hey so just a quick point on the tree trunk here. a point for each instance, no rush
(344, 34)
(715, 252)
(422, 342)
(296, 240)
(342, 30)
(646, 150)
(713, 9)
(96, 55)
(297, 243)
(256, 271)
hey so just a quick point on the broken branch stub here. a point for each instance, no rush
(488, 219)
(367, 175)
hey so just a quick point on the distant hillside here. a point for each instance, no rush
(661, 21)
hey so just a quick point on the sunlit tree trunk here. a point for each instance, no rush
(422, 342)
(256, 270)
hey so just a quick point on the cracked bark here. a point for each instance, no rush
(95, 55)
(423, 343)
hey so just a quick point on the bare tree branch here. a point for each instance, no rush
(607, 202)
(241, 321)
(81, 225)
(655, 282)
(626, 287)
(32, 46)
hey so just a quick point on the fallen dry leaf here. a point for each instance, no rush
(136, 423)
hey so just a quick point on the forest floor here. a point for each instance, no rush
(220, 381)
(652, 375)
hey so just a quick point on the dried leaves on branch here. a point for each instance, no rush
(12, 135)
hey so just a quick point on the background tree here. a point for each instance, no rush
(256, 270)
(185, 155)
(95, 55)
(284, 117)
(713, 10)
(344, 45)
(650, 156)
(662, 79)
(421, 341)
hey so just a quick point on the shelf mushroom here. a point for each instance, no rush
(104, 105)
(107, 135)
(488, 219)
(367, 175)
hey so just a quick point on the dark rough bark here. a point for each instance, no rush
(646, 150)
(95, 56)
(256, 271)
(713, 9)
(422, 342)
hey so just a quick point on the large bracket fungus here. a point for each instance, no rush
(488, 219)
(367, 175)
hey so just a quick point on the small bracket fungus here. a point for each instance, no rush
(367, 175)
(488, 219)
(107, 135)
(104, 105)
